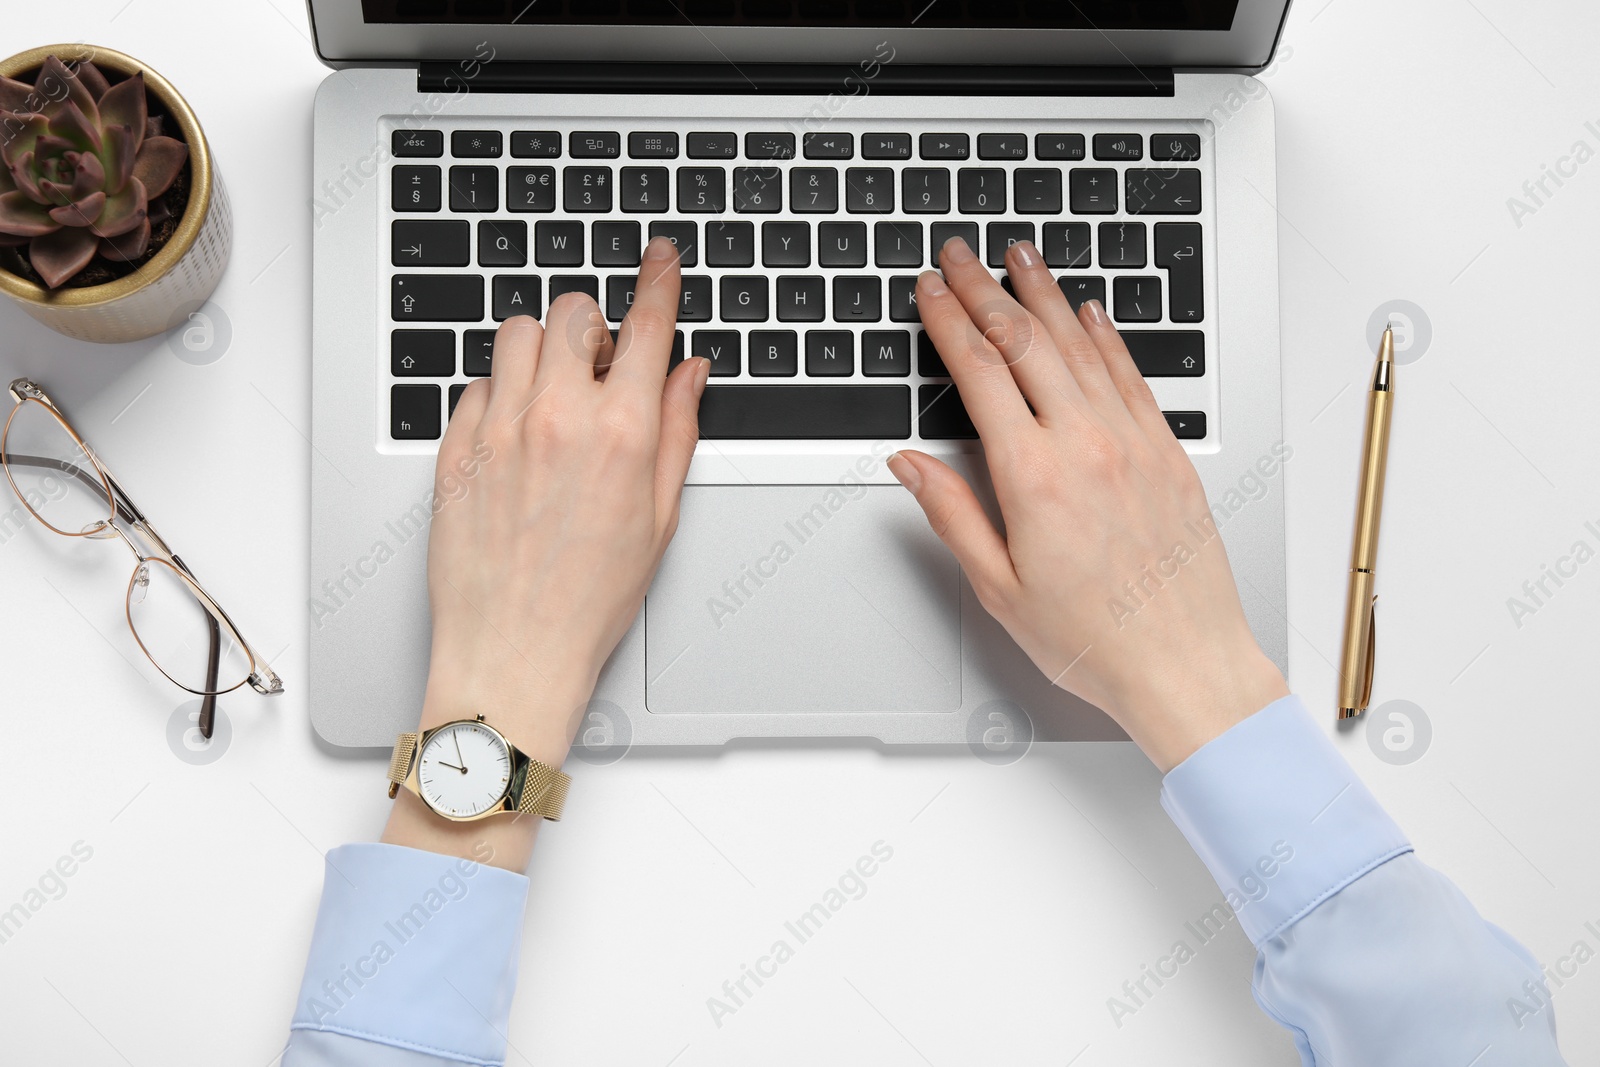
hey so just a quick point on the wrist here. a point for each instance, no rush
(1171, 717)
(536, 713)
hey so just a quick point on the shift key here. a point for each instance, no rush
(436, 298)
(1167, 353)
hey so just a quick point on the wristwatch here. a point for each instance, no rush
(467, 770)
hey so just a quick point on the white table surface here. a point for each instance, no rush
(1019, 898)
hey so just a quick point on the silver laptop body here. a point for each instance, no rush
(803, 595)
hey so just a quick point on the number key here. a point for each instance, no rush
(757, 189)
(925, 190)
(530, 188)
(702, 189)
(981, 191)
(474, 188)
(813, 190)
(869, 190)
(587, 188)
(645, 189)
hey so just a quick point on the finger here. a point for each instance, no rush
(575, 335)
(987, 388)
(1133, 391)
(1040, 294)
(1010, 327)
(644, 345)
(518, 344)
(467, 416)
(680, 433)
(959, 521)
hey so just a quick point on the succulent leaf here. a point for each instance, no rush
(19, 134)
(71, 124)
(129, 246)
(118, 157)
(82, 212)
(23, 217)
(59, 86)
(92, 78)
(124, 105)
(22, 175)
(15, 95)
(58, 256)
(123, 211)
(158, 163)
(88, 175)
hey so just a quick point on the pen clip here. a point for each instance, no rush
(1371, 657)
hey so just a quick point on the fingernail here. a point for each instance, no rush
(956, 250)
(933, 283)
(660, 248)
(702, 372)
(1027, 255)
(902, 469)
(1094, 312)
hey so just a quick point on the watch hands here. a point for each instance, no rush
(453, 767)
(455, 735)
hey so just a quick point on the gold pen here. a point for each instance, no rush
(1360, 609)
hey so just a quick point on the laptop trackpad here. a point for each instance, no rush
(796, 599)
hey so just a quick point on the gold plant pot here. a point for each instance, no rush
(176, 279)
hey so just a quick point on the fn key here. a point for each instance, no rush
(414, 412)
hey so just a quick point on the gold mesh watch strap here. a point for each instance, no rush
(544, 791)
(400, 763)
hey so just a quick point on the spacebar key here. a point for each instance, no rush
(805, 412)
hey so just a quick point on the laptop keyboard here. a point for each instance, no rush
(800, 253)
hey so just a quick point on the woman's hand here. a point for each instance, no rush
(559, 480)
(1110, 573)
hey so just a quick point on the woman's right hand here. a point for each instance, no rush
(1110, 573)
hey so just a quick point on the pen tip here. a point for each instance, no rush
(1386, 346)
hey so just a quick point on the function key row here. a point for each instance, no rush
(711, 190)
(656, 144)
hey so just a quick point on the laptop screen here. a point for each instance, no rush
(890, 14)
(1180, 34)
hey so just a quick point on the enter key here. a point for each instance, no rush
(1178, 252)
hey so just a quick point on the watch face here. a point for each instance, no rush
(464, 770)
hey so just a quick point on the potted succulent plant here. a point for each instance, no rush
(113, 219)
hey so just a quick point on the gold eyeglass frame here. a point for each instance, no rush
(261, 677)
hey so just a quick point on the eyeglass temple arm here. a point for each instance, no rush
(124, 507)
(208, 703)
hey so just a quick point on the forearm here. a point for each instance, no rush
(1366, 955)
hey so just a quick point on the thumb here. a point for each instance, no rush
(957, 519)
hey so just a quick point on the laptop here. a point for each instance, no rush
(476, 158)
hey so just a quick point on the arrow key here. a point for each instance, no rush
(1187, 425)
(428, 243)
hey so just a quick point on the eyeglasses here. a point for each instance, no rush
(177, 624)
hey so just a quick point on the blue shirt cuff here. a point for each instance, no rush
(415, 950)
(1278, 817)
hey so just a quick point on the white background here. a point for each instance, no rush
(1019, 898)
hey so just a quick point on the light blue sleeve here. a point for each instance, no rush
(413, 962)
(1364, 953)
